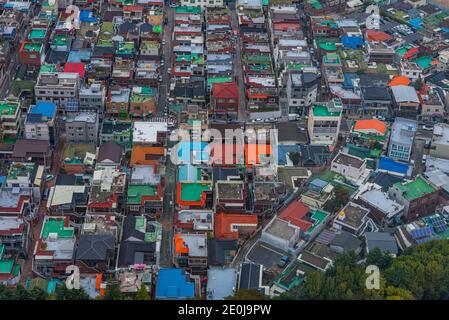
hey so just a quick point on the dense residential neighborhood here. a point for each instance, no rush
(199, 149)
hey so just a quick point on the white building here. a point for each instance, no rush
(60, 88)
(324, 122)
(351, 167)
(202, 3)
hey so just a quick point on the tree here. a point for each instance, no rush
(62, 293)
(38, 294)
(393, 293)
(247, 294)
(112, 291)
(295, 157)
(418, 84)
(340, 199)
(142, 294)
(378, 258)
(21, 293)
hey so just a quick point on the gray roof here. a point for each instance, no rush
(404, 94)
(346, 240)
(250, 276)
(403, 130)
(381, 240)
(94, 247)
(221, 283)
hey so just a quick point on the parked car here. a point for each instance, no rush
(427, 127)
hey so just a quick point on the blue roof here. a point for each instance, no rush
(416, 23)
(187, 172)
(172, 284)
(352, 42)
(349, 80)
(87, 16)
(390, 165)
(317, 184)
(46, 109)
(283, 150)
(2, 179)
(186, 148)
(79, 55)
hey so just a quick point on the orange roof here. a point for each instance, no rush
(142, 155)
(179, 245)
(98, 281)
(224, 224)
(371, 124)
(399, 81)
(254, 151)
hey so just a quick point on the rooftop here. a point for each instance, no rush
(415, 189)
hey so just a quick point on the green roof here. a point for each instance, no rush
(126, 48)
(323, 111)
(56, 226)
(424, 62)
(212, 80)
(37, 34)
(328, 46)
(8, 108)
(6, 266)
(19, 170)
(48, 68)
(106, 27)
(32, 47)
(194, 191)
(318, 217)
(136, 192)
(2, 250)
(60, 40)
(415, 189)
(141, 94)
(316, 4)
(298, 66)
(184, 9)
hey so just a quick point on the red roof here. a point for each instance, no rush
(374, 35)
(227, 90)
(410, 53)
(75, 67)
(284, 26)
(295, 213)
(224, 223)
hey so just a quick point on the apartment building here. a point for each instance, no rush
(401, 139)
(59, 88)
(324, 122)
(82, 127)
(40, 123)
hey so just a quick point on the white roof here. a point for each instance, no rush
(63, 194)
(405, 94)
(146, 131)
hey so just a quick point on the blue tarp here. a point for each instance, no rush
(2, 180)
(172, 283)
(416, 23)
(187, 172)
(388, 164)
(46, 109)
(86, 16)
(82, 55)
(353, 42)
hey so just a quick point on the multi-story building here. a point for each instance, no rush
(324, 122)
(60, 88)
(40, 123)
(190, 251)
(92, 98)
(225, 100)
(119, 132)
(418, 196)
(432, 107)
(143, 102)
(82, 127)
(55, 248)
(117, 102)
(401, 139)
(10, 115)
(301, 91)
(32, 54)
(202, 3)
(440, 141)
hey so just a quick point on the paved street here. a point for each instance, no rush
(167, 49)
(238, 67)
